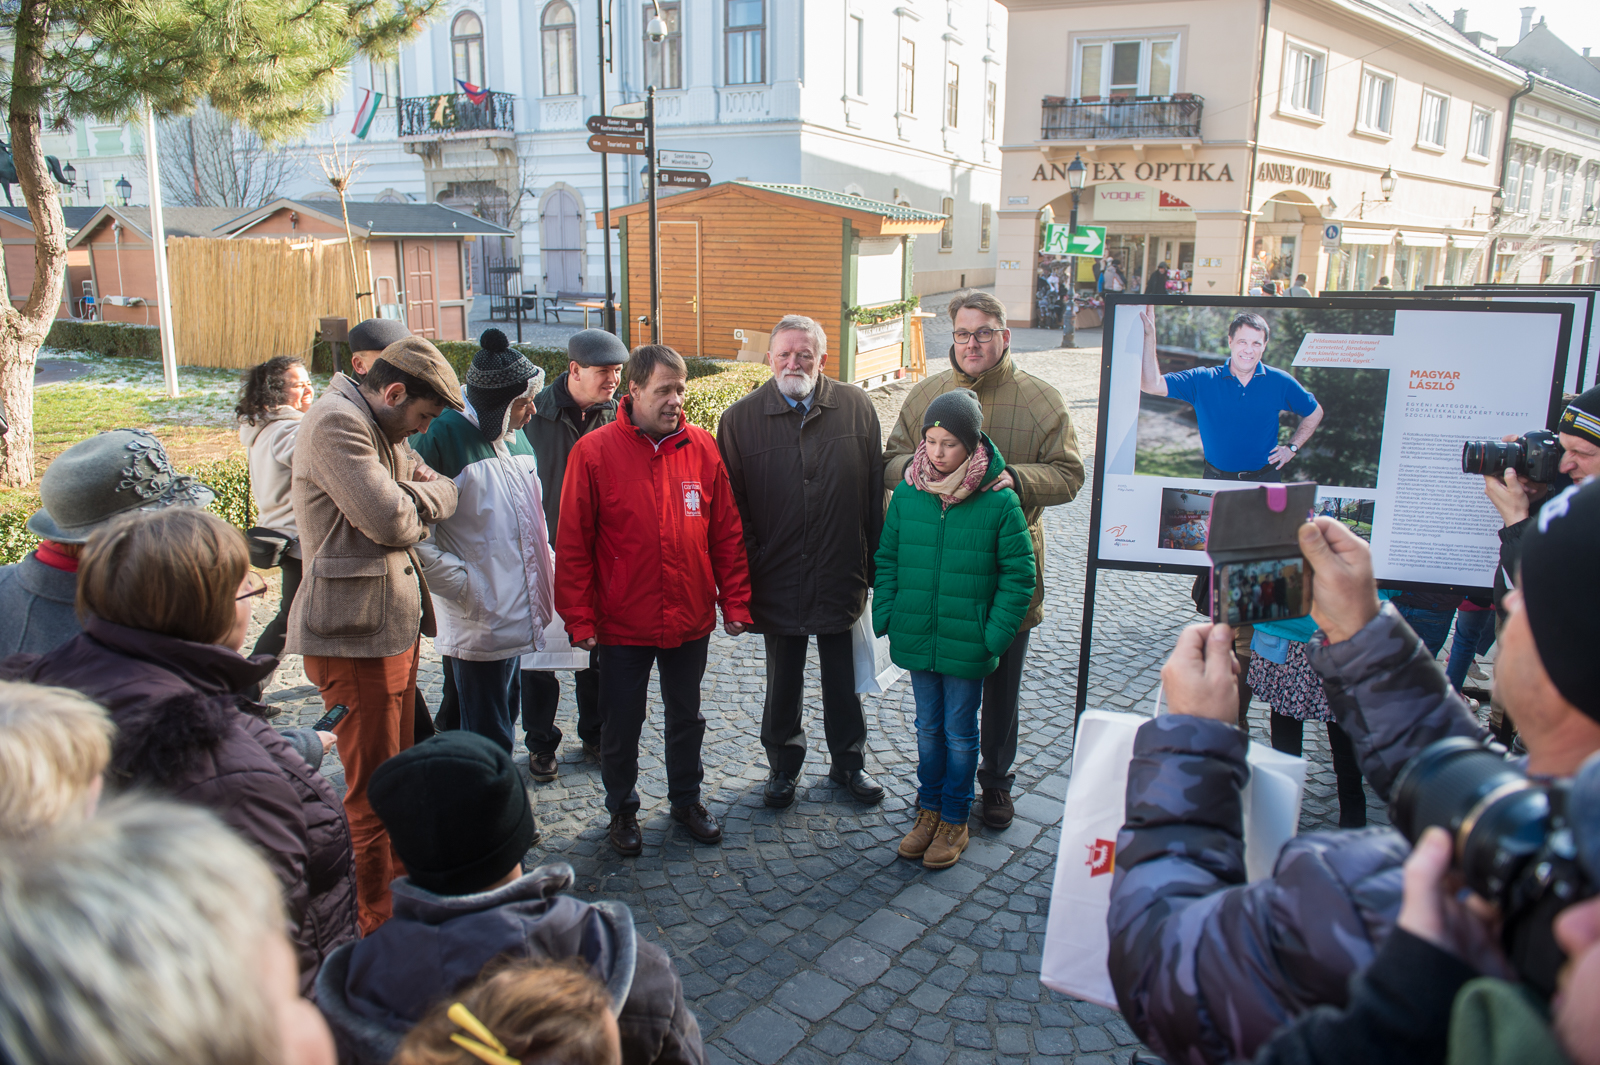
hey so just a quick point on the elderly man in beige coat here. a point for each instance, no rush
(362, 500)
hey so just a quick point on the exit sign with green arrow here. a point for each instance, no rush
(1088, 240)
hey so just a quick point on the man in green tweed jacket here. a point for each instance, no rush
(1028, 421)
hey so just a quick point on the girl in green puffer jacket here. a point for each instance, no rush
(955, 577)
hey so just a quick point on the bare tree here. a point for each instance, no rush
(207, 160)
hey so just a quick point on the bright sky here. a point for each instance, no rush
(1575, 21)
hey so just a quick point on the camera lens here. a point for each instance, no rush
(1491, 458)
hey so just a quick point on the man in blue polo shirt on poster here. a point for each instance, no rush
(1237, 404)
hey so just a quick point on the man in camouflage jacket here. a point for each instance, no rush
(1206, 967)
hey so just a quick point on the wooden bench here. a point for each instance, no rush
(568, 301)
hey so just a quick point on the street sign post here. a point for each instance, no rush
(603, 142)
(684, 160)
(684, 179)
(617, 127)
(1332, 234)
(633, 110)
(1060, 240)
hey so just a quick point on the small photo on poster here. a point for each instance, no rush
(1355, 514)
(1222, 398)
(1267, 590)
(1185, 517)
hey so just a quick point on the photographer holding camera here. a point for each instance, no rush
(1208, 967)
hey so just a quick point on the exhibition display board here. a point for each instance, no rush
(1193, 388)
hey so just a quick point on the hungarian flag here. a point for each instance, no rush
(475, 94)
(367, 112)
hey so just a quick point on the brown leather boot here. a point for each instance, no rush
(947, 845)
(921, 834)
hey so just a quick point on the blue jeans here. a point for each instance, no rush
(1431, 626)
(947, 742)
(1474, 636)
(490, 696)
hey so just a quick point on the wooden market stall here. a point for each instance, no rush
(740, 255)
(122, 261)
(16, 236)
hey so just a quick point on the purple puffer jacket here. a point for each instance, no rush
(1206, 967)
(182, 728)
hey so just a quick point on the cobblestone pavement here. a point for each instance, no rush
(803, 938)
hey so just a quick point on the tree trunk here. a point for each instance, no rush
(22, 332)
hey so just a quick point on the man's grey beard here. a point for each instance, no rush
(796, 385)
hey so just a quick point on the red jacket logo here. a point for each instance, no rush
(1102, 857)
(691, 499)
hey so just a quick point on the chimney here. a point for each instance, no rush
(1527, 22)
(1459, 21)
(1586, 53)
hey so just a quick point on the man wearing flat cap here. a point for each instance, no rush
(362, 501)
(86, 486)
(576, 403)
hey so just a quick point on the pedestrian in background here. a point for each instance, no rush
(955, 577)
(367, 341)
(362, 501)
(650, 545)
(575, 404)
(272, 398)
(1028, 421)
(488, 565)
(804, 459)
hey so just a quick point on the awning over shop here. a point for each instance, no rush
(1422, 240)
(1366, 236)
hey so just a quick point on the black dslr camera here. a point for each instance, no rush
(1514, 844)
(1536, 455)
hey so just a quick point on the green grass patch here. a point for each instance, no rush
(1170, 462)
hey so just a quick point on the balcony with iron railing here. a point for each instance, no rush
(1122, 118)
(453, 115)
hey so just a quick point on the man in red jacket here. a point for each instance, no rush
(649, 543)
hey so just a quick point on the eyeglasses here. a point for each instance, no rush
(252, 593)
(982, 336)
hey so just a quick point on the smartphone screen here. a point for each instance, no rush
(1264, 589)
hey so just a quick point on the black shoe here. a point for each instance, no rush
(779, 791)
(997, 808)
(591, 751)
(542, 766)
(624, 834)
(863, 787)
(699, 821)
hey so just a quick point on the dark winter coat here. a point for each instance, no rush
(1206, 967)
(375, 990)
(182, 728)
(954, 583)
(810, 493)
(38, 607)
(557, 424)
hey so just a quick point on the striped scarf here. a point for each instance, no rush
(953, 487)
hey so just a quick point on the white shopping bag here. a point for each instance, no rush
(876, 673)
(558, 653)
(1076, 942)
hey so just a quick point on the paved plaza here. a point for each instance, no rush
(803, 937)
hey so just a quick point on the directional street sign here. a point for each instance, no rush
(684, 160)
(618, 145)
(685, 179)
(633, 110)
(617, 127)
(1088, 240)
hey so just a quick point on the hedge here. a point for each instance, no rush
(105, 338)
(229, 478)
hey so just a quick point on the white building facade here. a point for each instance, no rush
(895, 102)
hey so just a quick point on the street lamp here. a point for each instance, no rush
(1076, 172)
(124, 189)
(1387, 182)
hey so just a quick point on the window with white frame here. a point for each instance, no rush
(1591, 176)
(1435, 119)
(947, 235)
(991, 111)
(1376, 114)
(952, 95)
(855, 44)
(1142, 66)
(985, 221)
(1530, 171)
(908, 76)
(1479, 131)
(1552, 167)
(663, 59)
(1569, 177)
(746, 42)
(1303, 72)
(560, 33)
(385, 79)
(466, 49)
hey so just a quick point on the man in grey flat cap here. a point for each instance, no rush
(369, 338)
(573, 405)
(85, 486)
